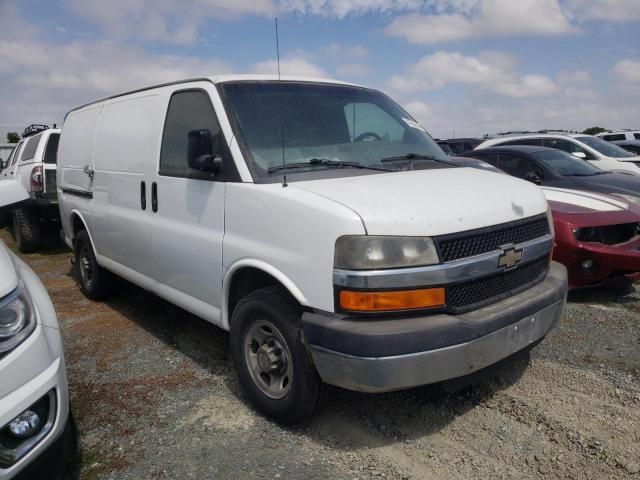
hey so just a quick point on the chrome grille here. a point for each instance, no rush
(466, 296)
(476, 242)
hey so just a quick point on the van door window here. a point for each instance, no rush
(188, 110)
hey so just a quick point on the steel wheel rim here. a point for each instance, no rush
(268, 359)
(86, 271)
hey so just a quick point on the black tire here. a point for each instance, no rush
(26, 229)
(306, 390)
(94, 281)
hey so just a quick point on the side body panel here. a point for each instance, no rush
(290, 229)
(126, 142)
(188, 226)
(75, 151)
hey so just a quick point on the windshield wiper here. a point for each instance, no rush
(325, 162)
(415, 156)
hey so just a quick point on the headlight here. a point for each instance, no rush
(375, 252)
(17, 319)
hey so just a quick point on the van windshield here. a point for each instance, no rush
(321, 126)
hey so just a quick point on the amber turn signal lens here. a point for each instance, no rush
(384, 301)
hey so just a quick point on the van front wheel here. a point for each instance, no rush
(273, 365)
(95, 282)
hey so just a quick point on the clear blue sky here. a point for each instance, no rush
(463, 66)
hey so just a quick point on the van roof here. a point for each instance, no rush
(222, 79)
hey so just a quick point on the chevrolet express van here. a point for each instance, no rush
(316, 221)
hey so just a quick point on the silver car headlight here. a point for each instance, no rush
(17, 318)
(370, 252)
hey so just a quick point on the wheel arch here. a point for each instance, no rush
(78, 223)
(248, 275)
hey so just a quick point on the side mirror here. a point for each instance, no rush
(12, 193)
(579, 155)
(200, 152)
(533, 177)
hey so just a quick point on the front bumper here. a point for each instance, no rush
(393, 354)
(608, 260)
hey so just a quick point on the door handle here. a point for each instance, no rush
(88, 170)
(143, 195)
(154, 197)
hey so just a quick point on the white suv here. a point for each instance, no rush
(36, 431)
(317, 222)
(33, 164)
(602, 154)
(620, 135)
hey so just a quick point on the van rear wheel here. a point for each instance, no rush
(95, 282)
(26, 229)
(273, 365)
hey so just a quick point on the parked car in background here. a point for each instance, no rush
(445, 147)
(597, 236)
(34, 166)
(555, 168)
(599, 152)
(346, 249)
(620, 135)
(459, 145)
(632, 146)
(7, 170)
(37, 437)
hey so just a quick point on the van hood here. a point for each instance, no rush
(431, 202)
(8, 275)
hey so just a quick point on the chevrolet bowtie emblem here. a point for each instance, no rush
(509, 258)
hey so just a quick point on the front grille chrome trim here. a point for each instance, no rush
(452, 272)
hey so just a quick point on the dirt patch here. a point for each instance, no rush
(155, 396)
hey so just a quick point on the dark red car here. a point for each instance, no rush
(597, 235)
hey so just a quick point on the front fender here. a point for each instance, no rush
(265, 267)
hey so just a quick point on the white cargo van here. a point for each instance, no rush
(315, 220)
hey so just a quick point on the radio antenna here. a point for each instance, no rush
(284, 164)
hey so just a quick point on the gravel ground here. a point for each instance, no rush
(154, 396)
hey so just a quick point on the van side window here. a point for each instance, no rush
(29, 150)
(188, 110)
